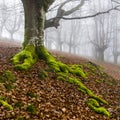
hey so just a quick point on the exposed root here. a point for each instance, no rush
(25, 58)
(64, 72)
(94, 105)
(5, 104)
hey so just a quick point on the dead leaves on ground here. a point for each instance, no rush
(37, 95)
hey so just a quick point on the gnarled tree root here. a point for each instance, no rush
(64, 72)
(25, 58)
(94, 105)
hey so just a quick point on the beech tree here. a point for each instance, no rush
(3, 16)
(33, 49)
(33, 46)
(35, 23)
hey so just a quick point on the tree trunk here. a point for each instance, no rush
(11, 35)
(34, 22)
(115, 59)
(33, 46)
(115, 55)
(101, 55)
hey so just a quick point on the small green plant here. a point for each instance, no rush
(9, 75)
(20, 118)
(31, 109)
(32, 94)
(3, 98)
(8, 79)
(2, 79)
(19, 104)
(42, 74)
(9, 86)
(98, 81)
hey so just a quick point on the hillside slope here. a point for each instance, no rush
(37, 96)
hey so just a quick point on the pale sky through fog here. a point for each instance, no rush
(13, 6)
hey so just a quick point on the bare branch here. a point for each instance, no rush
(54, 22)
(90, 16)
(116, 1)
(74, 9)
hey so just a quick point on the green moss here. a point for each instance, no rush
(94, 98)
(9, 86)
(98, 81)
(6, 76)
(3, 98)
(5, 104)
(51, 61)
(2, 79)
(61, 78)
(32, 94)
(42, 74)
(77, 70)
(19, 104)
(64, 72)
(25, 59)
(8, 79)
(20, 118)
(9, 75)
(31, 109)
(76, 81)
(94, 105)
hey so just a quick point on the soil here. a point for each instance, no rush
(37, 97)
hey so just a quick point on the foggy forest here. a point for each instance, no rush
(94, 37)
(59, 60)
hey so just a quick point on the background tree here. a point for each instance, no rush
(103, 31)
(116, 50)
(14, 21)
(33, 46)
(3, 16)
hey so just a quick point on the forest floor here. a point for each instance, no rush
(37, 97)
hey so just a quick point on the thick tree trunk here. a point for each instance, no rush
(33, 46)
(34, 22)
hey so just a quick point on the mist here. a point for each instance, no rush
(93, 37)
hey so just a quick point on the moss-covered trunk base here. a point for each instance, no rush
(64, 72)
(25, 59)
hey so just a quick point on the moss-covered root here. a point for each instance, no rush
(94, 105)
(58, 66)
(5, 104)
(25, 58)
(51, 61)
(81, 86)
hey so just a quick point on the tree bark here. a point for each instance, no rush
(115, 59)
(33, 46)
(34, 22)
(101, 55)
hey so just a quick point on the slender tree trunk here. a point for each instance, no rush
(60, 47)
(101, 55)
(11, 36)
(115, 59)
(1, 29)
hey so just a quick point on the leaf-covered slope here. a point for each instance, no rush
(39, 95)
